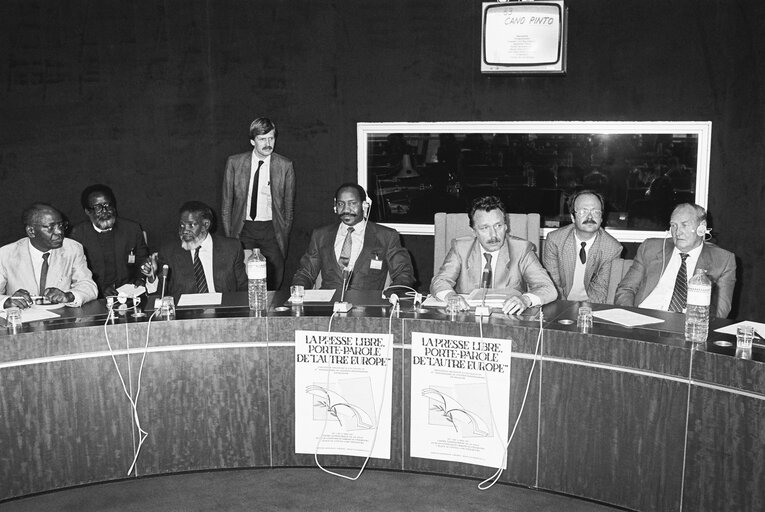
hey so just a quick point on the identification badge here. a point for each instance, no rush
(375, 264)
(131, 257)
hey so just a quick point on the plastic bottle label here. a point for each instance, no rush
(256, 270)
(699, 296)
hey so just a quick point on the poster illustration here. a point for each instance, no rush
(343, 393)
(460, 398)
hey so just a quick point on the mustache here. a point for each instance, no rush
(494, 240)
(589, 222)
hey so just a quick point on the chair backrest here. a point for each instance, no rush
(619, 268)
(449, 226)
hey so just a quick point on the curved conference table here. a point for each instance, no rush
(631, 417)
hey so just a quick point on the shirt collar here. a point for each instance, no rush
(693, 253)
(256, 159)
(35, 252)
(206, 244)
(99, 230)
(359, 228)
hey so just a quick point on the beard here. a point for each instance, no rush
(105, 222)
(191, 245)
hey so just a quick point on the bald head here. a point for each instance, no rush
(44, 226)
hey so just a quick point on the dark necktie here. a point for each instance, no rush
(199, 273)
(44, 272)
(254, 200)
(583, 253)
(345, 252)
(680, 293)
(486, 276)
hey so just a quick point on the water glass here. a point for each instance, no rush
(13, 317)
(167, 308)
(297, 292)
(584, 319)
(453, 306)
(744, 338)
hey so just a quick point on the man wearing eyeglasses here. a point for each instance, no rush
(368, 250)
(493, 259)
(44, 266)
(114, 246)
(579, 256)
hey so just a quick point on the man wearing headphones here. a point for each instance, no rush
(578, 256)
(368, 250)
(655, 280)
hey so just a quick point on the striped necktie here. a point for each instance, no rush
(345, 252)
(680, 293)
(199, 273)
(486, 277)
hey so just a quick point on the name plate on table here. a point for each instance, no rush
(460, 398)
(343, 393)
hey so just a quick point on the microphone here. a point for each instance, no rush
(165, 271)
(482, 310)
(342, 306)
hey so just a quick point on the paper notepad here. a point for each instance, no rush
(626, 318)
(33, 314)
(318, 295)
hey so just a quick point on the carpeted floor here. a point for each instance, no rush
(297, 489)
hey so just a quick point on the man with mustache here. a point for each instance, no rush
(579, 256)
(45, 263)
(655, 279)
(259, 198)
(114, 246)
(369, 250)
(492, 255)
(201, 262)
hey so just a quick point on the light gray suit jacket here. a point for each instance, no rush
(67, 270)
(517, 268)
(236, 182)
(561, 252)
(652, 258)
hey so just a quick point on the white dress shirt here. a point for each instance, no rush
(357, 241)
(264, 188)
(578, 290)
(661, 296)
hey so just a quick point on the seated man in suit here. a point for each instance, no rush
(660, 272)
(578, 256)
(201, 262)
(368, 250)
(45, 263)
(492, 255)
(114, 246)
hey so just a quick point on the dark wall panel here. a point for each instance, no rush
(150, 97)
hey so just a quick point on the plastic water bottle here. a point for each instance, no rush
(256, 281)
(697, 310)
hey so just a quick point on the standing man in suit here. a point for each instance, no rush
(44, 263)
(114, 247)
(659, 275)
(368, 250)
(259, 199)
(493, 259)
(201, 262)
(579, 256)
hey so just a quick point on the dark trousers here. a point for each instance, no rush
(261, 235)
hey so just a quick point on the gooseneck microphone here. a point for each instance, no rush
(165, 271)
(342, 306)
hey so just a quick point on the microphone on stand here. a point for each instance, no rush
(165, 271)
(342, 306)
(483, 310)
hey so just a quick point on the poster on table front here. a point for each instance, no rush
(460, 398)
(343, 393)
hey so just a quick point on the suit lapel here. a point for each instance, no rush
(26, 269)
(570, 253)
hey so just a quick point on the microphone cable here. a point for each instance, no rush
(389, 358)
(143, 434)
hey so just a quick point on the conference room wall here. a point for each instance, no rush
(151, 97)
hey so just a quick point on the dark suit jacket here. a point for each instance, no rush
(652, 258)
(128, 236)
(561, 252)
(517, 268)
(236, 181)
(380, 243)
(228, 267)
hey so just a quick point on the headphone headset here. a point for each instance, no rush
(701, 230)
(366, 206)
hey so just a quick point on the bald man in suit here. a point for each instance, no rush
(259, 199)
(650, 281)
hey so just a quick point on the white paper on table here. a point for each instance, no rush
(626, 318)
(131, 290)
(759, 328)
(34, 314)
(200, 299)
(318, 295)
(433, 302)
